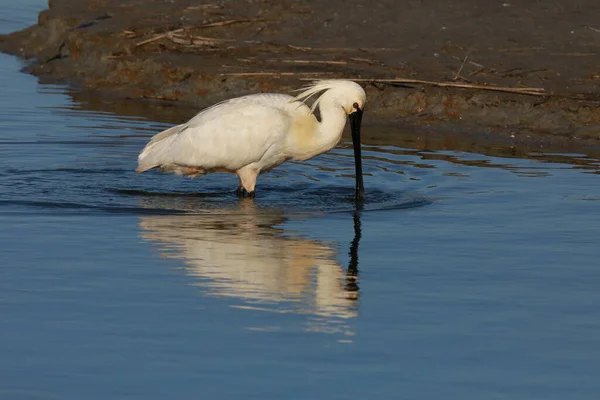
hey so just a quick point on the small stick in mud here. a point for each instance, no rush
(275, 74)
(364, 60)
(457, 74)
(158, 37)
(594, 29)
(194, 40)
(301, 48)
(326, 62)
(525, 90)
(229, 22)
(209, 25)
(204, 7)
(129, 34)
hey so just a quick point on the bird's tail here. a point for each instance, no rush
(150, 156)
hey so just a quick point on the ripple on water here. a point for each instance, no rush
(304, 199)
(69, 189)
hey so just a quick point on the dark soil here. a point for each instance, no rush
(217, 50)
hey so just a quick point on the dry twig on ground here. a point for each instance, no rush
(525, 90)
(209, 25)
(194, 40)
(594, 29)
(326, 62)
(266, 73)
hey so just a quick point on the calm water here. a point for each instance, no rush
(467, 276)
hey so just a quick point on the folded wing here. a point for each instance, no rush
(227, 136)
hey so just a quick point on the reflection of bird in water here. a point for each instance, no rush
(239, 252)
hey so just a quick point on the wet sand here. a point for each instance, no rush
(193, 53)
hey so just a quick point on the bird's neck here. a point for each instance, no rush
(309, 137)
(333, 120)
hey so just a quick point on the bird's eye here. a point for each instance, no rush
(355, 105)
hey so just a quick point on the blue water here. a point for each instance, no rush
(466, 276)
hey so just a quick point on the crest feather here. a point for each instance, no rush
(314, 88)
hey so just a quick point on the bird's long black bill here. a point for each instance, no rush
(355, 122)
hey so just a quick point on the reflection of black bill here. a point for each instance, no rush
(352, 273)
(355, 122)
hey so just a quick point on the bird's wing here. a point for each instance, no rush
(273, 100)
(229, 135)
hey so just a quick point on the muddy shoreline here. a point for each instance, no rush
(192, 53)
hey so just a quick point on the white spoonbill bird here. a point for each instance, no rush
(253, 134)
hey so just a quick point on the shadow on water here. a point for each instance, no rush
(239, 251)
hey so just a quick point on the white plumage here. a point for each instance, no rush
(252, 134)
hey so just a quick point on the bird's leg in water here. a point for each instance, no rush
(247, 177)
(241, 192)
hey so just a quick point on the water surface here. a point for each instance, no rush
(466, 276)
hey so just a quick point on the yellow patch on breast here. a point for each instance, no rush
(302, 139)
